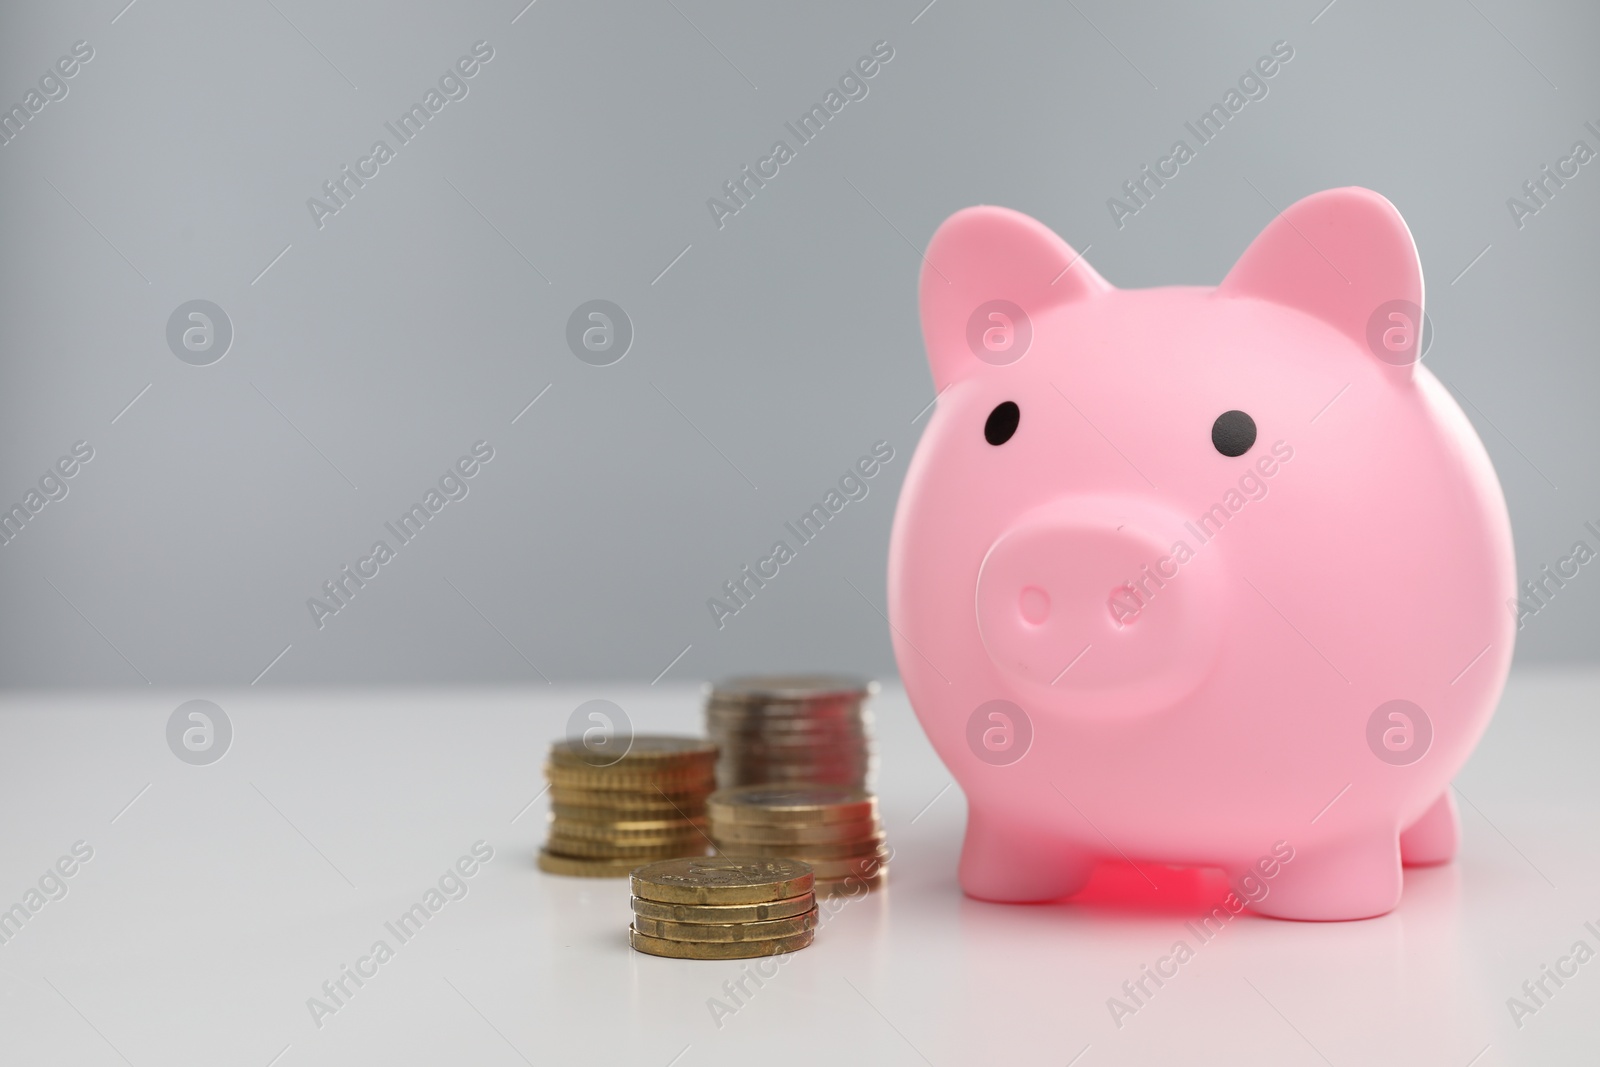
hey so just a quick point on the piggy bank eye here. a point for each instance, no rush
(1002, 423)
(1233, 433)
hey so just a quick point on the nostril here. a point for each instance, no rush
(1125, 604)
(1035, 605)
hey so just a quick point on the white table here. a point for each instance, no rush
(222, 897)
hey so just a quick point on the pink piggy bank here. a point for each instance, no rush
(1198, 576)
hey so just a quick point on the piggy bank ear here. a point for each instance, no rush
(1345, 256)
(988, 275)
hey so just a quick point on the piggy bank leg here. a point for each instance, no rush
(1357, 878)
(1434, 837)
(1011, 863)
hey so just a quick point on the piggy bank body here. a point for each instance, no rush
(1198, 576)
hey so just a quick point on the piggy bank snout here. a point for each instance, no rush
(1110, 601)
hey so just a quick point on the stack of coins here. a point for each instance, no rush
(833, 829)
(609, 814)
(791, 728)
(721, 909)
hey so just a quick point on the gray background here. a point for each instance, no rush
(430, 311)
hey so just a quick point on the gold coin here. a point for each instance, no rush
(733, 777)
(813, 750)
(792, 804)
(717, 950)
(765, 930)
(585, 866)
(812, 854)
(823, 768)
(816, 763)
(609, 814)
(818, 753)
(737, 777)
(725, 913)
(860, 867)
(769, 733)
(662, 846)
(820, 756)
(591, 835)
(646, 750)
(790, 688)
(722, 881)
(780, 835)
(642, 782)
(624, 832)
(619, 800)
(853, 885)
(599, 835)
(641, 852)
(642, 772)
(776, 720)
